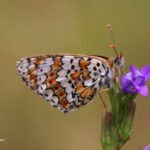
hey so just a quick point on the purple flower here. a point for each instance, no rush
(147, 147)
(135, 81)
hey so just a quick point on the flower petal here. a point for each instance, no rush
(134, 71)
(135, 81)
(139, 80)
(147, 147)
(128, 85)
(143, 90)
(146, 72)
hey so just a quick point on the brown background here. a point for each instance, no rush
(32, 27)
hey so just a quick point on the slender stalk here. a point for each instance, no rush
(116, 138)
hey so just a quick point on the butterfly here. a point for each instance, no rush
(68, 81)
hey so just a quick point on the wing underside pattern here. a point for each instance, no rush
(66, 81)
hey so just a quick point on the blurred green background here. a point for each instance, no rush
(33, 27)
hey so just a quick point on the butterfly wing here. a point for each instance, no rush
(66, 81)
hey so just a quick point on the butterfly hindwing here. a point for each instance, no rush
(66, 81)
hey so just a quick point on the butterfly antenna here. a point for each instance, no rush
(105, 106)
(113, 39)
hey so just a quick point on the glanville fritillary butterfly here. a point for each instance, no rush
(69, 81)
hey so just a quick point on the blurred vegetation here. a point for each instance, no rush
(34, 27)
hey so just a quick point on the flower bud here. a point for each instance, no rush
(109, 26)
(112, 46)
(127, 122)
(107, 129)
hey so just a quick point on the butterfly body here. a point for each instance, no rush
(67, 81)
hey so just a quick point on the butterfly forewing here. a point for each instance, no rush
(66, 81)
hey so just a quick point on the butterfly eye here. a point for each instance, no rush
(120, 61)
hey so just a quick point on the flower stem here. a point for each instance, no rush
(117, 124)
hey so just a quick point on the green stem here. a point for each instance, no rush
(116, 139)
(116, 119)
(117, 124)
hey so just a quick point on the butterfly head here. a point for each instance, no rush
(119, 60)
(117, 64)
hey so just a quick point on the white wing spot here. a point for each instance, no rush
(41, 88)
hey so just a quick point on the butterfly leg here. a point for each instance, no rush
(104, 104)
(104, 90)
